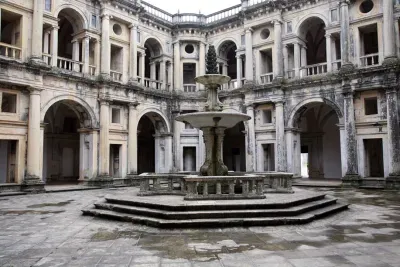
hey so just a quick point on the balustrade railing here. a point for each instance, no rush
(155, 11)
(157, 84)
(182, 18)
(231, 11)
(315, 69)
(224, 187)
(369, 60)
(147, 82)
(290, 74)
(232, 84)
(69, 64)
(116, 75)
(189, 88)
(46, 58)
(255, 2)
(10, 51)
(92, 70)
(336, 65)
(267, 78)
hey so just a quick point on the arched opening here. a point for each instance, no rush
(313, 58)
(153, 145)
(228, 61)
(234, 153)
(62, 162)
(69, 52)
(319, 154)
(152, 70)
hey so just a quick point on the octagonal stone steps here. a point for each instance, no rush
(270, 214)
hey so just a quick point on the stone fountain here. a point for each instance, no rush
(213, 123)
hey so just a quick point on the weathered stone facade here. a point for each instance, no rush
(90, 89)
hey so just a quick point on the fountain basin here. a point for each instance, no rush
(210, 79)
(213, 119)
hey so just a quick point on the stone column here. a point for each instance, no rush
(328, 40)
(104, 153)
(171, 75)
(85, 52)
(303, 71)
(249, 56)
(297, 57)
(153, 74)
(177, 63)
(37, 30)
(202, 61)
(281, 165)
(54, 45)
(177, 141)
(388, 30)
(162, 79)
(239, 71)
(46, 42)
(393, 129)
(33, 180)
(351, 178)
(133, 53)
(286, 60)
(142, 67)
(344, 32)
(251, 143)
(278, 66)
(97, 57)
(75, 55)
(132, 139)
(105, 45)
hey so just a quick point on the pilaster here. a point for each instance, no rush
(281, 165)
(251, 143)
(105, 45)
(249, 56)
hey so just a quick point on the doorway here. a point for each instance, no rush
(8, 157)
(189, 159)
(269, 157)
(115, 166)
(373, 149)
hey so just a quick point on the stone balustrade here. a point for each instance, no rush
(160, 184)
(224, 187)
(277, 182)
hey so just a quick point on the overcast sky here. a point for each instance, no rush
(193, 6)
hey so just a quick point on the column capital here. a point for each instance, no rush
(391, 89)
(133, 26)
(249, 30)
(34, 90)
(344, 2)
(104, 101)
(279, 103)
(328, 35)
(134, 104)
(277, 22)
(106, 16)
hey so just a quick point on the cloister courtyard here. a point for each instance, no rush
(50, 230)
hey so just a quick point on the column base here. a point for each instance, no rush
(390, 61)
(133, 179)
(33, 184)
(104, 77)
(392, 182)
(38, 62)
(351, 181)
(101, 181)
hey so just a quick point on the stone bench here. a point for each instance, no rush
(224, 187)
(277, 182)
(161, 184)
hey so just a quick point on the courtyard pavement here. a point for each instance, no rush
(49, 230)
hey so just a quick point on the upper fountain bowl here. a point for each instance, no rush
(210, 79)
(213, 119)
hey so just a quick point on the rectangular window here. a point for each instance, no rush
(94, 21)
(334, 15)
(243, 39)
(138, 37)
(371, 106)
(47, 5)
(289, 27)
(115, 115)
(9, 103)
(267, 116)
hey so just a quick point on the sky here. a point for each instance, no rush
(193, 6)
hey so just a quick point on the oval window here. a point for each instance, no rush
(265, 34)
(117, 29)
(189, 49)
(366, 6)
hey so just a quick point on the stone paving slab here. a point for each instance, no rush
(49, 230)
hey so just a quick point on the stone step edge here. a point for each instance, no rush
(181, 215)
(216, 206)
(213, 223)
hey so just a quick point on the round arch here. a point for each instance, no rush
(154, 41)
(223, 41)
(159, 113)
(75, 16)
(308, 17)
(293, 115)
(78, 105)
